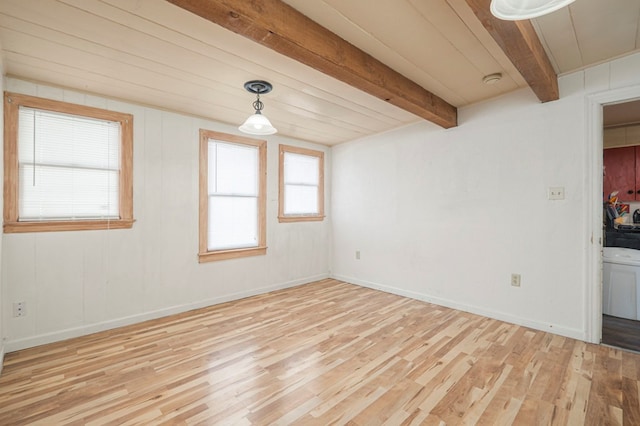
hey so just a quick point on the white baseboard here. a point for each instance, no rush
(41, 339)
(537, 325)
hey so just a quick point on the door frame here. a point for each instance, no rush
(593, 198)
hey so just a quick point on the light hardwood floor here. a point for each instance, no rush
(322, 353)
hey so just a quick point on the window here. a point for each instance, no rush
(233, 179)
(301, 195)
(67, 167)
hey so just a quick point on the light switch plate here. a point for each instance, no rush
(556, 192)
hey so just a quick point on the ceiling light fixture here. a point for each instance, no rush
(492, 78)
(516, 10)
(258, 124)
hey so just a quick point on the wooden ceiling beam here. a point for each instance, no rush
(282, 28)
(521, 44)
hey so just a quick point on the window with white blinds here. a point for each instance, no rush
(233, 196)
(68, 167)
(301, 184)
(232, 192)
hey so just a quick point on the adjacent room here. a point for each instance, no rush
(320, 212)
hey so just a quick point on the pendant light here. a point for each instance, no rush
(258, 124)
(517, 10)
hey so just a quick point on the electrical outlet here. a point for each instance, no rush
(515, 280)
(556, 193)
(357, 254)
(19, 309)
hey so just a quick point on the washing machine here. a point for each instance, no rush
(621, 282)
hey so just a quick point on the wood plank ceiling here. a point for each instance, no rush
(154, 53)
(521, 44)
(280, 27)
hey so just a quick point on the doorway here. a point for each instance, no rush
(592, 311)
(621, 215)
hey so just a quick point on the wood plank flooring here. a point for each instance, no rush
(318, 354)
(621, 332)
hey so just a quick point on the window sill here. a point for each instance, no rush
(212, 256)
(284, 219)
(67, 225)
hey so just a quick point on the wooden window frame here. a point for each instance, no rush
(281, 190)
(204, 254)
(12, 103)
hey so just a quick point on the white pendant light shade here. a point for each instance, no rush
(257, 124)
(516, 10)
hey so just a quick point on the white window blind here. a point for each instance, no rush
(301, 184)
(69, 166)
(233, 189)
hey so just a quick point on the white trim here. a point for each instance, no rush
(542, 326)
(41, 339)
(593, 206)
(1, 357)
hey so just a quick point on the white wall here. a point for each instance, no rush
(447, 215)
(78, 282)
